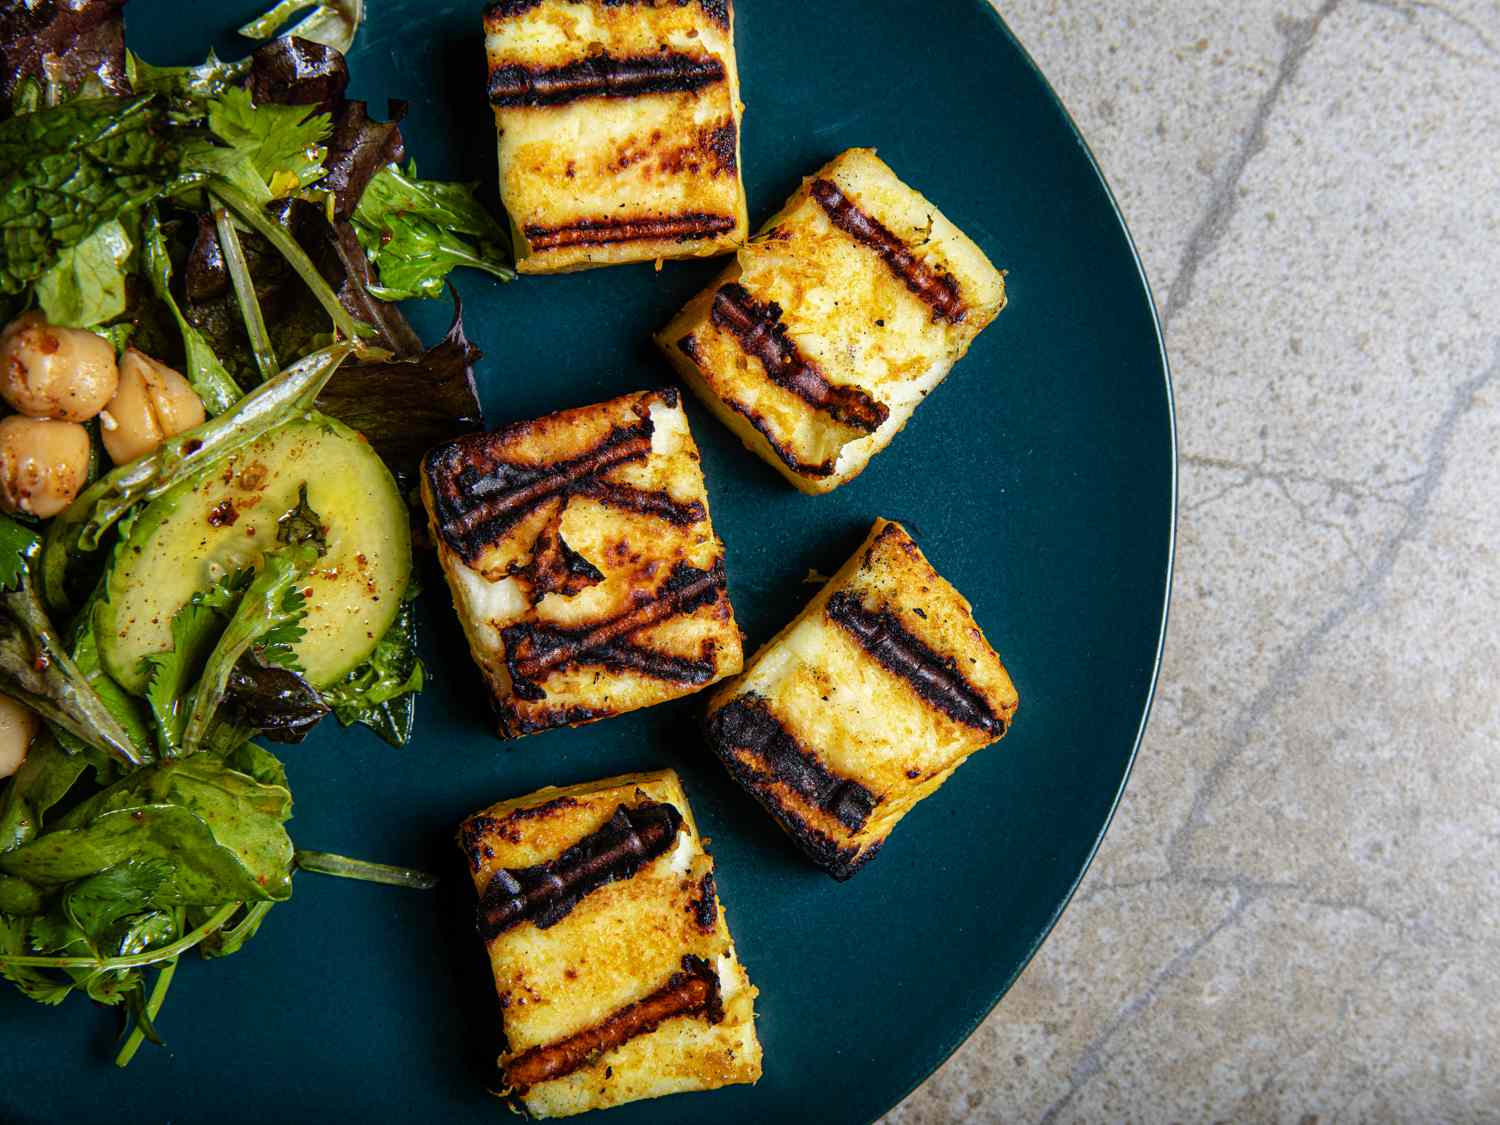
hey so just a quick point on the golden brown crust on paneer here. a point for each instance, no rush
(851, 305)
(635, 990)
(864, 705)
(619, 130)
(583, 562)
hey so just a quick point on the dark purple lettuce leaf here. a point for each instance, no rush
(293, 71)
(276, 702)
(65, 42)
(404, 407)
(358, 149)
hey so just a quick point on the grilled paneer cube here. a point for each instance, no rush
(619, 125)
(863, 705)
(618, 979)
(582, 561)
(835, 321)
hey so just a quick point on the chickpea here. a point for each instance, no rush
(50, 372)
(18, 726)
(152, 403)
(43, 464)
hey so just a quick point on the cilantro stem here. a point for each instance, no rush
(135, 960)
(253, 216)
(244, 291)
(324, 863)
(153, 1008)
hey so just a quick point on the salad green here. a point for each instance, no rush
(245, 224)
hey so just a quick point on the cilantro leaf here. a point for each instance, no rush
(284, 143)
(170, 674)
(417, 231)
(267, 619)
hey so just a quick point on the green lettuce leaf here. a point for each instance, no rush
(381, 693)
(86, 286)
(70, 168)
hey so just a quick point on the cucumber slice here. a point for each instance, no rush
(224, 519)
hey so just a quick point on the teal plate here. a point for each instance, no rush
(1040, 479)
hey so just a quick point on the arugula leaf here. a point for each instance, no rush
(45, 777)
(333, 24)
(184, 83)
(283, 143)
(222, 830)
(257, 762)
(214, 385)
(84, 647)
(19, 897)
(416, 231)
(35, 666)
(86, 286)
(381, 693)
(68, 169)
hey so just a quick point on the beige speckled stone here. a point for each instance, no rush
(1296, 916)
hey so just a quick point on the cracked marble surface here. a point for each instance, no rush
(1295, 916)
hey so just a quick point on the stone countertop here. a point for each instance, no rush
(1295, 915)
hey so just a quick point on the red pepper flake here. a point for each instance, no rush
(223, 514)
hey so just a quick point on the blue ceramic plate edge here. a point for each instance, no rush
(1161, 639)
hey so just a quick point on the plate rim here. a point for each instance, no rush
(967, 1032)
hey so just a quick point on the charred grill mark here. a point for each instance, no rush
(477, 496)
(508, 9)
(710, 149)
(935, 678)
(935, 286)
(628, 498)
(716, 10)
(514, 724)
(689, 347)
(555, 568)
(692, 992)
(687, 227)
(532, 651)
(471, 839)
(547, 893)
(723, 145)
(542, 811)
(705, 907)
(758, 328)
(602, 76)
(745, 727)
